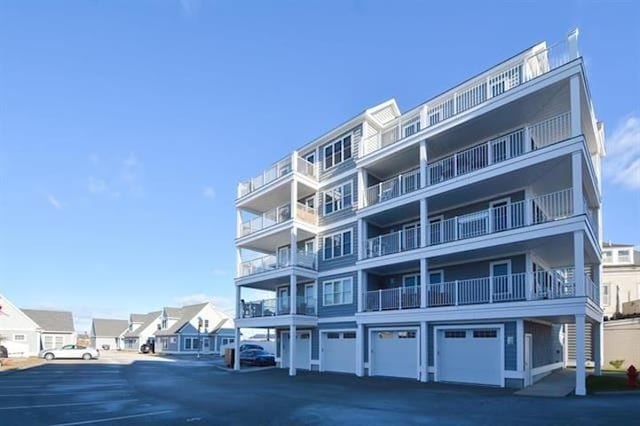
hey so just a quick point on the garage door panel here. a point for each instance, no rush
(303, 351)
(470, 356)
(339, 352)
(395, 353)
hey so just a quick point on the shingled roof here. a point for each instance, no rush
(148, 320)
(103, 327)
(188, 314)
(58, 321)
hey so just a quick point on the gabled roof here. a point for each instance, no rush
(109, 327)
(137, 318)
(609, 244)
(173, 312)
(61, 321)
(187, 313)
(148, 320)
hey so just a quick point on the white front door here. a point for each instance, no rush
(394, 353)
(303, 350)
(469, 356)
(339, 351)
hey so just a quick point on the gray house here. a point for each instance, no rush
(108, 333)
(55, 328)
(141, 328)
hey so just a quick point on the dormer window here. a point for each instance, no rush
(164, 323)
(607, 256)
(624, 256)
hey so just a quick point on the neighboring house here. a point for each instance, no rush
(141, 329)
(108, 333)
(55, 328)
(621, 347)
(199, 328)
(18, 332)
(450, 242)
(620, 277)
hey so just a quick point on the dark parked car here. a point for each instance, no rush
(257, 357)
(249, 346)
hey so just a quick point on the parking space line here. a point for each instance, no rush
(111, 419)
(22, 407)
(61, 393)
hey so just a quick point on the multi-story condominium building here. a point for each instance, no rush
(450, 242)
(620, 277)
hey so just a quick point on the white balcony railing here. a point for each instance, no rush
(592, 289)
(393, 188)
(394, 242)
(272, 262)
(279, 169)
(476, 91)
(276, 216)
(543, 284)
(307, 214)
(274, 307)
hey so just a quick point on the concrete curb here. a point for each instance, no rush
(625, 392)
(253, 370)
(17, 369)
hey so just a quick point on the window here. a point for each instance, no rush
(225, 341)
(455, 334)
(206, 323)
(165, 343)
(338, 292)
(406, 334)
(623, 256)
(607, 256)
(173, 340)
(412, 127)
(385, 335)
(485, 334)
(19, 337)
(196, 343)
(164, 324)
(336, 152)
(336, 245)
(333, 335)
(59, 341)
(338, 198)
(605, 294)
(349, 335)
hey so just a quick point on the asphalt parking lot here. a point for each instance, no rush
(144, 390)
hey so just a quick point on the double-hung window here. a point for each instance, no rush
(338, 198)
(337, 292)
(337, 151)
(339, 244)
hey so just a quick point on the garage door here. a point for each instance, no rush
(339, 351)
(470, 356)
(395, 353)
(303, 350)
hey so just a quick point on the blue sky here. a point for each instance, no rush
(125, 126)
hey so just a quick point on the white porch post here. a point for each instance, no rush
(578, 261)
(597, 335)
(576, 178)
(424, 279)
(362, 289)
(423, 164)
(294, 199)
(581, 373)
(238, 222)
(520, 345)
(362, 238)
(424, 359)
(424, 222)
(574, 87)
(362, 189)
(292, 350)
(293, 291)
(239, 311)
(360, 351)
(236, 350)
(528, 276)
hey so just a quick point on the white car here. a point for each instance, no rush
(70, 351)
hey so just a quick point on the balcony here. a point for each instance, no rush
(393, 188)
(276, 171)
(278, 215)
(276, 307)
(533, 211)
(272, 263)
(539, 285)
(496, 82)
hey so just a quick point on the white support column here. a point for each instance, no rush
(424, 222)
(572, 39)
(362, 189)
(236, 350)
(239, 312)
(362, 238)
(424, 279)
(362, 288)
(238, 261)
(581, 373)
(597, 330)
(424, 358)
(578, 262)
(574, 87)
(293, 241)
(576, 180)
(292, 350)
(360, 351)
(238, 222)
(317, 163)
(423, 164)
(293, 291)
(528, 278)
(520, 345)
(294, 161)
(294, 199)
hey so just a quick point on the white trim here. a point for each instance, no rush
(337, 330)
(328, 320)
(342, 206)
(545, 369)
(340, 271)
(341, 233)
(437, 328)
(323, 149)
(342, 280)
(527, 373)
(373, 330)
(520, 345)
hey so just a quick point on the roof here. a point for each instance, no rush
(609, 244)
(148, 320)
(173, 312)
(61, 321)
(109, 327)
(135, 318)
(188, 313)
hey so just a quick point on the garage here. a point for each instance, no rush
(394, 353)
(470, 355)
(339, 351)
(303, 350)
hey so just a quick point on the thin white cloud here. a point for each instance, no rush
(622, 163)
(222, 303)
(99, 186)
(55, 203)
(114, 179)
(209, 192)
(189, 7)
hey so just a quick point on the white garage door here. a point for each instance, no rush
(470, 356)
(395, 353)
(303, 350)
(339, 351)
